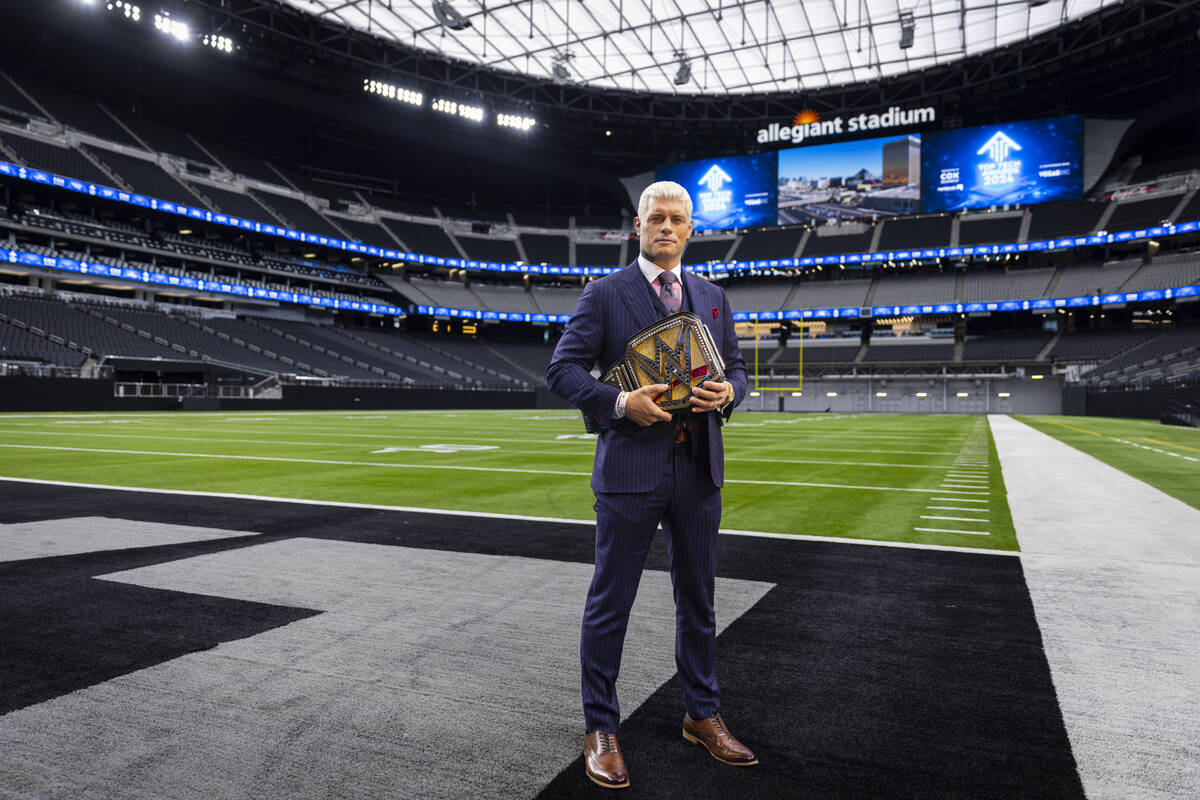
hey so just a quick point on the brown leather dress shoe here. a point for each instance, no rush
(713, 734)
(603, 762)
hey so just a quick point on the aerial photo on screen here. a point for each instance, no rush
(850, 181)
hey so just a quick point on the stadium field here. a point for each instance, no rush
(1165, 456)
(923, 479)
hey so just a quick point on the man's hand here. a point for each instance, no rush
(641, 408)
(711, 395)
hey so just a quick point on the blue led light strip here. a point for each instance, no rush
(187, 282)
(166, 206)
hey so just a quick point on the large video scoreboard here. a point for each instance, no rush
(1019, 162)
(1025, 162)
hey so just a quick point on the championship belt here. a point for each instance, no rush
(678, 351)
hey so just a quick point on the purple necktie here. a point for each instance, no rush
(668, 291)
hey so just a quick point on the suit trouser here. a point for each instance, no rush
(688, 505)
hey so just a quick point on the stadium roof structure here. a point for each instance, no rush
(721, 47)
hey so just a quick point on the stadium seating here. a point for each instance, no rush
(422, 237)
(17, 343)
(1166, 271)
(1145, 213)
(1004, 349)
(768, 244)
(983, 285)
(298, 214)
(144, 176)
(1156, 352)
(1096, 345)
(985, 229)
(909, 352)
(1064, 218)
(85, 326)
(915, 232)
(832, 240)
(1085, 279)
(702, 249)
(546, 249)
(905, 289)
(272, 195)
(601, 255)
(485, 249)
(827, 294)
(54, 158)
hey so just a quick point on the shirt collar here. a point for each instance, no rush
(651, 271)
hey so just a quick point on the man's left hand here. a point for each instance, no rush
(711, 395)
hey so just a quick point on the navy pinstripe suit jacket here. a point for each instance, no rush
(630, 458)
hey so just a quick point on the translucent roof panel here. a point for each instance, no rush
(703, 46)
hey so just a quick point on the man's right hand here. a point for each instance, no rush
(641, 408)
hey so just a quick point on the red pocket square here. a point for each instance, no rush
(715, 313)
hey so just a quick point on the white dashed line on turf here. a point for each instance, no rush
(954, 508)
(950, 530)
(956, 519)
(959, 499)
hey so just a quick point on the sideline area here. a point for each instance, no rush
(1113, 568)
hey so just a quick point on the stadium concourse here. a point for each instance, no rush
(174, 643)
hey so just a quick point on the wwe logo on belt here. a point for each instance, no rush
(671, 365)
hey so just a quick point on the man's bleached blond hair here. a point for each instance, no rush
(664, 190)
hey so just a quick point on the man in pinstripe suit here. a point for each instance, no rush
(651, 468)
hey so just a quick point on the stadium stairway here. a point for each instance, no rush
(460, 359)
(481, 374)
(345, 360)
(530, 375)
(1044, 353)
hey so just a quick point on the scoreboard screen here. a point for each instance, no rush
(1034, 161)
(731, 192)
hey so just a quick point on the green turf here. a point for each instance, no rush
(1165, 456)
(530, 470)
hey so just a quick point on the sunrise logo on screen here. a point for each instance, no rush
(805, 117)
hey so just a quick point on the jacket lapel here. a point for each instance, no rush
(698, 292)
(636, 297)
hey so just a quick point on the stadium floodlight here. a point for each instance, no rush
(908, 28)
(473, 113)
(517, 121)
(130, 11)
(222, 43)
(393, 92)
(449, 17)
(172, 27)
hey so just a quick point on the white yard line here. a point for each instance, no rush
(959, 499)
(954, 519)
(1113, 568)
(490, 515)
(394, 465)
